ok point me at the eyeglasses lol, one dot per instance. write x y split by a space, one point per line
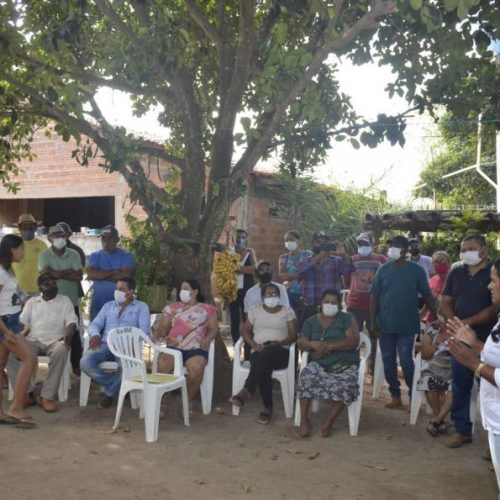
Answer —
271 295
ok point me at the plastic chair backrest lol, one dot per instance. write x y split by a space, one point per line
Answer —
126 344
364 339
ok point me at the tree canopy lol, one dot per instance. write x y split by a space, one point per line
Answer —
236 81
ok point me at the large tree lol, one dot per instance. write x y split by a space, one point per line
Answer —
237 80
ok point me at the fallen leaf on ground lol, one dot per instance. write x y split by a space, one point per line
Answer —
294 452
388 438
220 411
200 481
376 467
246 488
314 455
125 428
274 457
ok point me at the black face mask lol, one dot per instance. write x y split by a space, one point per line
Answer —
241 242
316 250
414 251
50 293
266 277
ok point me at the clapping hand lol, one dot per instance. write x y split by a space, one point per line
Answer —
461 331
463 353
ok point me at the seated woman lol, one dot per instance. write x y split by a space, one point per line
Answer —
435 380
275 328
189 326
332 337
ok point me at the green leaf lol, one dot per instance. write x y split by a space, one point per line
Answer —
416 4
450 5
462 10
354 143
246 123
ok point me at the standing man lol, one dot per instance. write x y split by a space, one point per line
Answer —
106 267
264 275
26 271
64 265
466 296
244 281
424 261
123 310
49 323
327 267
363 267
395 313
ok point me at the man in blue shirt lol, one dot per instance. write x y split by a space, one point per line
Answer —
466 296
394 312
106 266
124 310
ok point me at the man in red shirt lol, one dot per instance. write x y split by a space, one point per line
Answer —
363 267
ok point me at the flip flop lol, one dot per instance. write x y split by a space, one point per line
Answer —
6 421
236 401
23 423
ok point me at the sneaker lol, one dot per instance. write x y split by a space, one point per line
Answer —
104 401
456 440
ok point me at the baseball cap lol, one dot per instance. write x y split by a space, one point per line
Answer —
400 241
56 230
260 263
65 227
26 219
413 240
109 230
365 237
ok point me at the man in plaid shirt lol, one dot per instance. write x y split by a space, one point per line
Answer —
328 267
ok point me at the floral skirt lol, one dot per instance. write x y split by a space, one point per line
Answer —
316 383
436 377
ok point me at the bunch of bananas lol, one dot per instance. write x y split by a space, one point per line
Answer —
226 266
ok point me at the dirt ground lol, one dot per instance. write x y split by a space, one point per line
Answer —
74 455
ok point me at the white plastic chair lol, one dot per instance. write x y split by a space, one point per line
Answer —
85 380
417 397
285 377
207 384
126 344
354 409
64 384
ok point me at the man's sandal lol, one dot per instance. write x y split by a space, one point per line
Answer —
236 401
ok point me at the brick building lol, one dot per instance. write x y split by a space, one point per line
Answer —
55 187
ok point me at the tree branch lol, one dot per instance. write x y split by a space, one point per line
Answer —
198 15
147 51
256 148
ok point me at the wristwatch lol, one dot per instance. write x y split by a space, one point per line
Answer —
477 371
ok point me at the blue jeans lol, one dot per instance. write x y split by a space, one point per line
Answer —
90 365
461 385
392 346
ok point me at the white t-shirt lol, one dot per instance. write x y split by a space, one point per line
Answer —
47 319
10 301
489 394
253 297
270 326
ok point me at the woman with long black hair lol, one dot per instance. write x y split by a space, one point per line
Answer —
12 250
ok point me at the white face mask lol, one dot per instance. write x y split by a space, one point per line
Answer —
185 295
59 243
291 245
471 258
365 251
394 253
120 297
272 302
330 310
